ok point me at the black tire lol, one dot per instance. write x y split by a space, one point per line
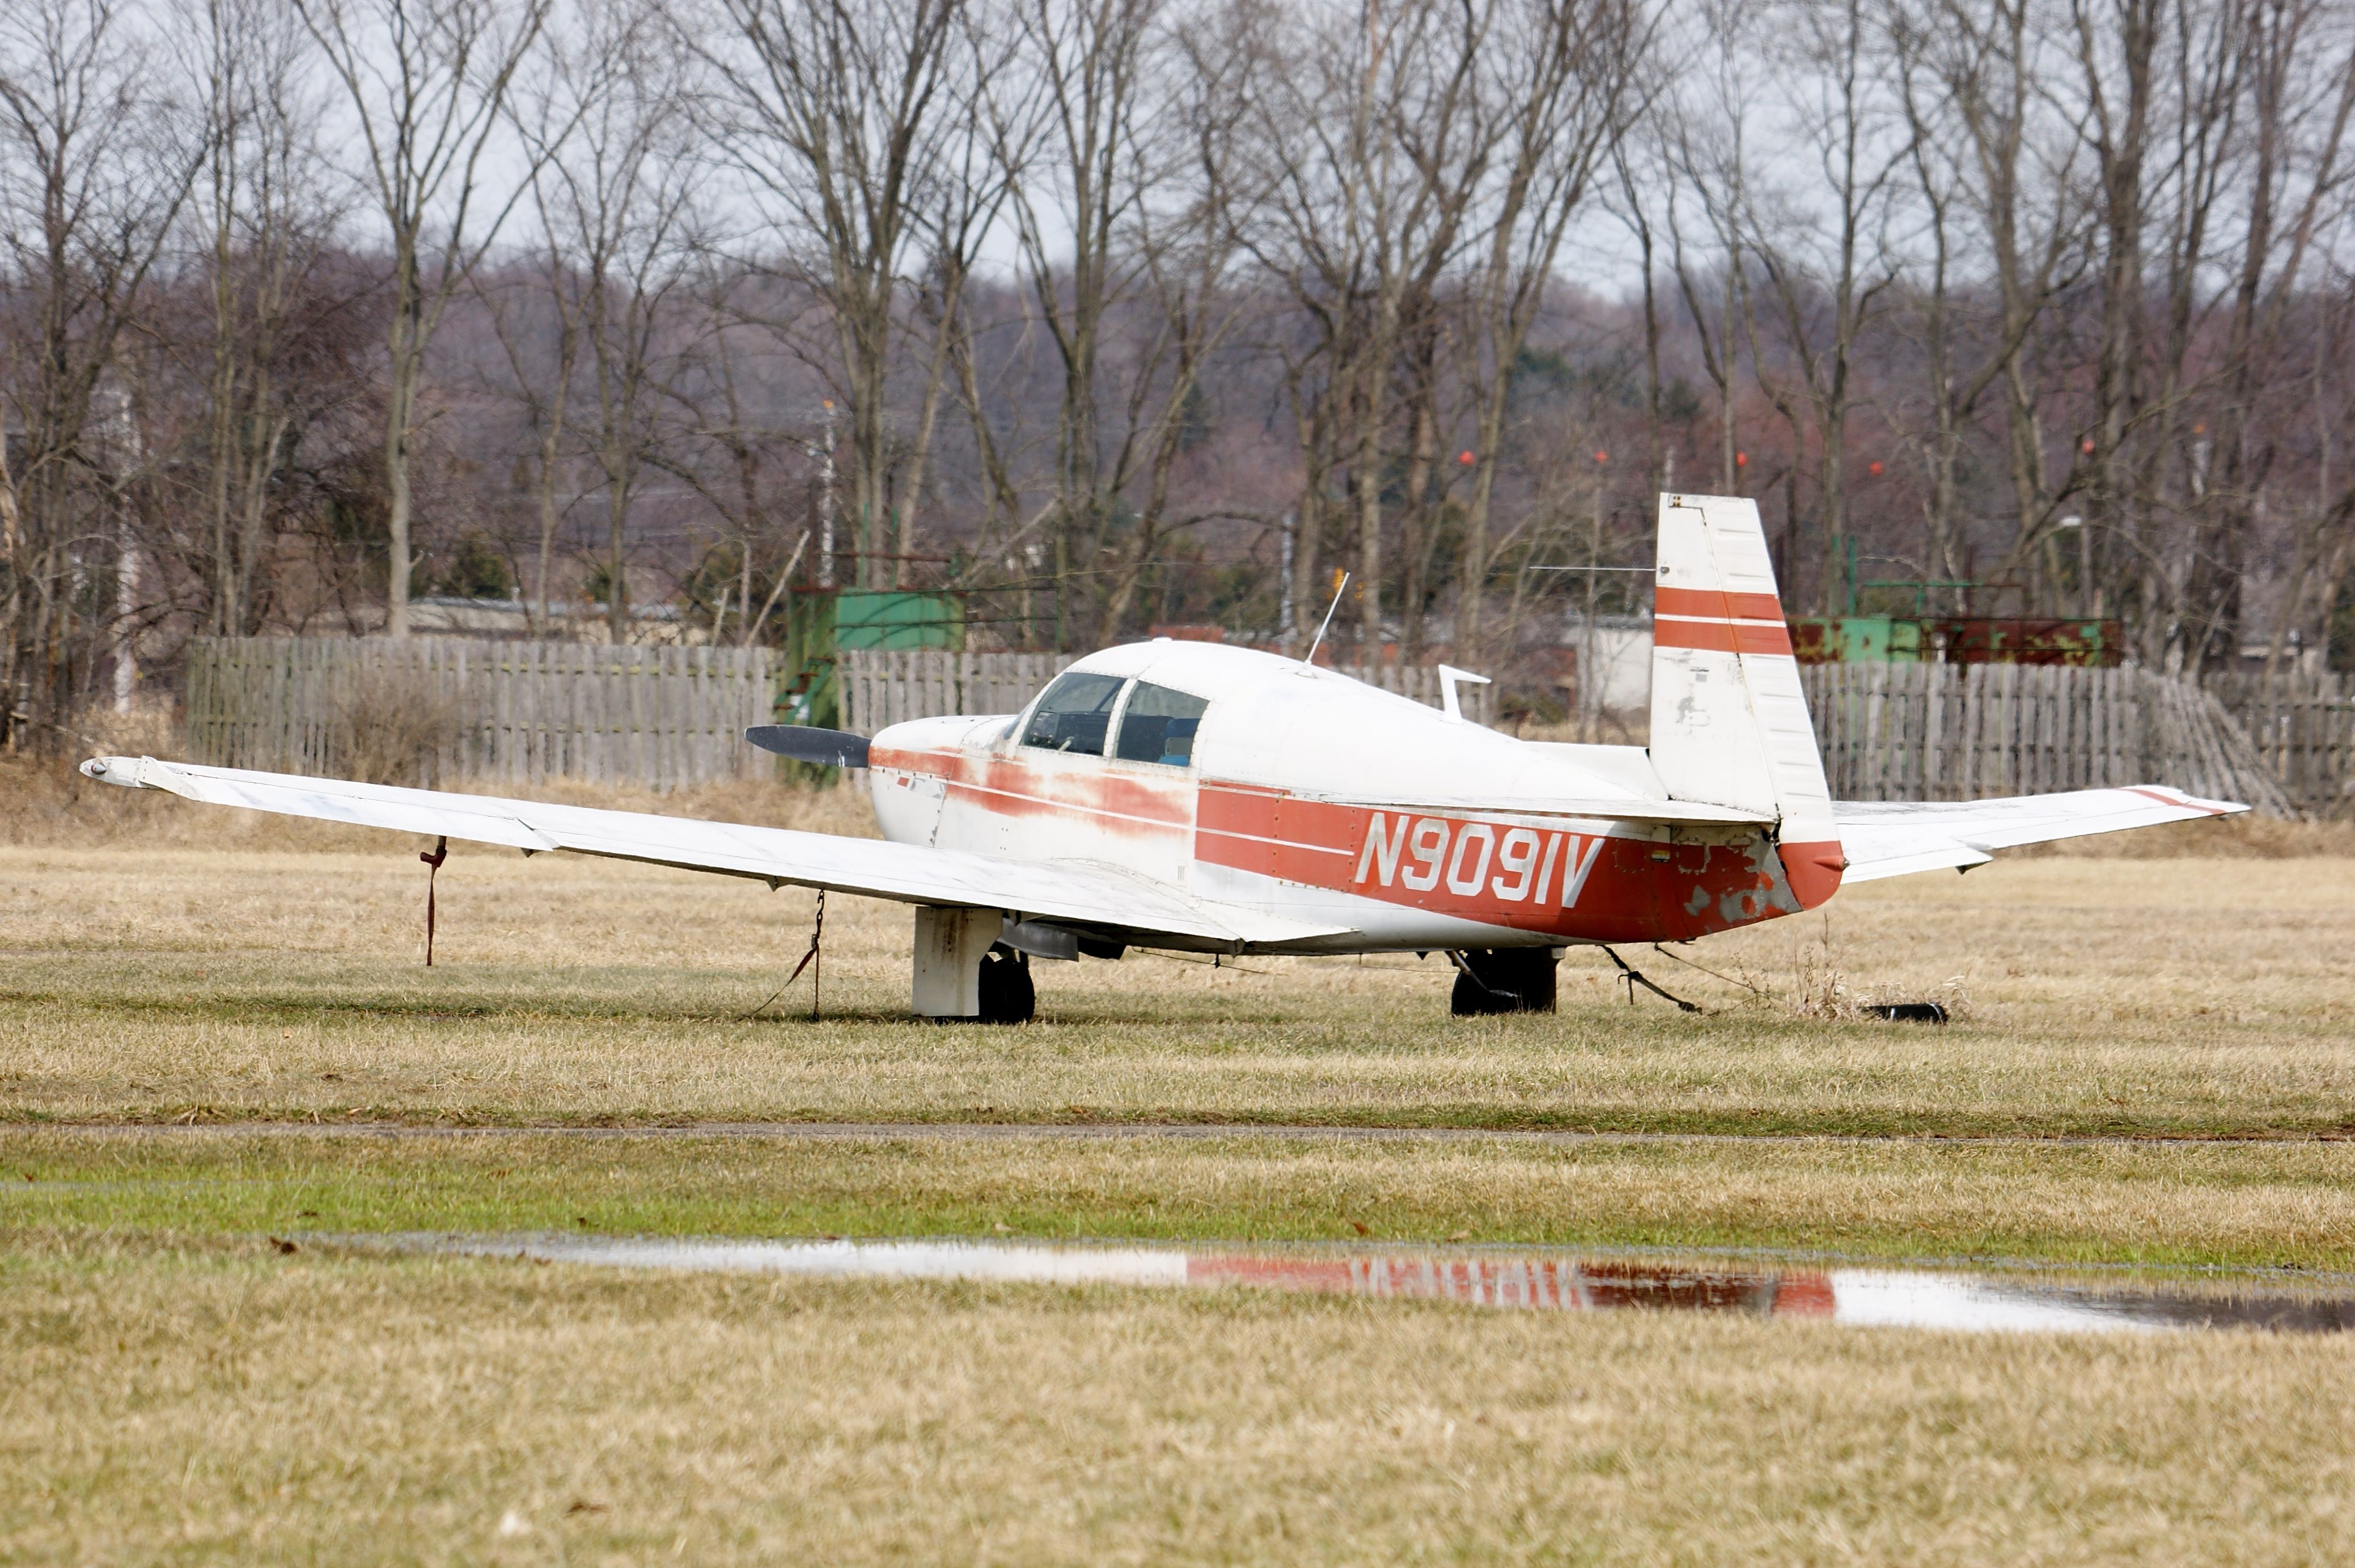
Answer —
1007 994
1503 980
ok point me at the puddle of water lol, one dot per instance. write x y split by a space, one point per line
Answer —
1520 1278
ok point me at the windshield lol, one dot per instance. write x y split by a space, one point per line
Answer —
1074 714
1159 725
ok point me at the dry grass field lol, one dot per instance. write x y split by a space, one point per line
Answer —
2153 1064
2210 997
210 1405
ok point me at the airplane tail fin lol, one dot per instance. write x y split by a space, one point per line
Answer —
1730 723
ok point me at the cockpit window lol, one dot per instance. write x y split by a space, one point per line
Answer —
1159 725
1074 714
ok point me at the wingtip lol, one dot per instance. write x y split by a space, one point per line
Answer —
2169 795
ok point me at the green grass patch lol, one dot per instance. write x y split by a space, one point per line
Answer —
2238 1205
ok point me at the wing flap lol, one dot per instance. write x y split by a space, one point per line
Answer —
1081 892
1891 838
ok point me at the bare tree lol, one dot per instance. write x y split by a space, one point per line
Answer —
539 380
2300 92
1116 135
2157 117
1074 127
725 453
1561 88
425 80
1822 255
95 162
614 189
1374 145
264 219
1186 241
1705 123
838 115
1994 168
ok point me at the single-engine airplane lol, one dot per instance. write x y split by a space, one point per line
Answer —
1201 798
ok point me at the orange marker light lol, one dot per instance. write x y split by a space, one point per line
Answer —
1465 458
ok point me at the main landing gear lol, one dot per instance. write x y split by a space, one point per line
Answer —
1007 994
962 971
1503 980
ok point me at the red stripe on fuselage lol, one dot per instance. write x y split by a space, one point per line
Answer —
1014 786
1565 879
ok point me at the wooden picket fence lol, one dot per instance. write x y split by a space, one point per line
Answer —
1912 731
880 688
877 688
440 710
443 710
2303 726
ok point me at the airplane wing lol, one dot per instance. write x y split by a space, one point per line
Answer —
1081 892
1890 838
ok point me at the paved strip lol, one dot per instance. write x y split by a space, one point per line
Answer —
1173 1131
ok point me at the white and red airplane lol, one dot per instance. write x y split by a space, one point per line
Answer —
1216 799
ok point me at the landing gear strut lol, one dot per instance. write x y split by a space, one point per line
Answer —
1503 980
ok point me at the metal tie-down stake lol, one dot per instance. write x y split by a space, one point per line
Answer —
434 865
817 933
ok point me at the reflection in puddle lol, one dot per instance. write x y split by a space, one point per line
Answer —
1528 1278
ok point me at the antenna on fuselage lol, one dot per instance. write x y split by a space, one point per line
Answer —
1328 621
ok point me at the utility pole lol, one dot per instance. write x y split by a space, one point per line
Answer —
126 555
1285 630
825 503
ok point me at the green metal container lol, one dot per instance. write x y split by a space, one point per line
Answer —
820 624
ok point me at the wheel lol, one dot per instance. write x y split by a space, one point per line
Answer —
1503 980
1007 994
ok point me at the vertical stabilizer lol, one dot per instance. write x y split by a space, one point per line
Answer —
1729 722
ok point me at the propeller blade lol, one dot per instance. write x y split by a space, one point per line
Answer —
805 743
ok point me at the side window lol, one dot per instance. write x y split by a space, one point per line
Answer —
1074 714
1159 725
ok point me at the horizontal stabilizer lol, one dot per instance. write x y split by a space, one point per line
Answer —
1890 838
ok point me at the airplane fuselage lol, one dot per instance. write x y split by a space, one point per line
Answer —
1324 806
